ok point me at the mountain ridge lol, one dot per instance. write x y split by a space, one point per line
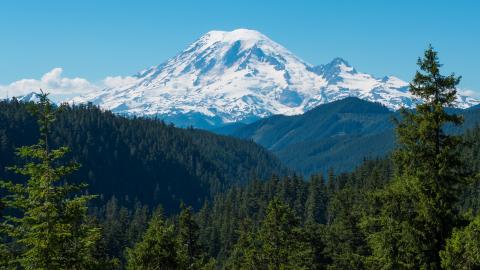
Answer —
337 135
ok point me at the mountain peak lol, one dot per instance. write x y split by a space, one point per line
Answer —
246 36
333 71
237 34
337 61
338 65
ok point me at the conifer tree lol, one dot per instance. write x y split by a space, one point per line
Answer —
462 250
316 201
157 248
48 214
420 206
345 244
283 245
246 252
190 252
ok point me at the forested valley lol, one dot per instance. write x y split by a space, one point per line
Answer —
224 203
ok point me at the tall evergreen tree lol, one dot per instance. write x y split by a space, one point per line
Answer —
190 251
315 206
157 249
246 253
283 243
420 206
48 214
345 244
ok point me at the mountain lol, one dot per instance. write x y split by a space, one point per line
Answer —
336 135
241 76
30 97
139 159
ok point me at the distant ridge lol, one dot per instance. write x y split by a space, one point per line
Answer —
336 135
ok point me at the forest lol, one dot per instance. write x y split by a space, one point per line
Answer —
82 192
138 159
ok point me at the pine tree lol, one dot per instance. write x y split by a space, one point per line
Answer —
345 244
49 222
462 250
420 207
157 248
137 223
283 244
245 254
316 201
190 252
315 237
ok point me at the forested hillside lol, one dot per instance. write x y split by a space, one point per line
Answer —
320 219
328 210
338 135
139 159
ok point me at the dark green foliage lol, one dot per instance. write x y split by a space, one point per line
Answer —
419 209
340 239
279 243
462 250
139 159
47 227
282 242
345 243
231 228
157 248
190 252
188 233
469 154
316 203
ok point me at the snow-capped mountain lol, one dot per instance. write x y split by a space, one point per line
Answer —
30 97
243 75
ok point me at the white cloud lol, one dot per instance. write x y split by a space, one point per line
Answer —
469 93
52 82
111 82
61 88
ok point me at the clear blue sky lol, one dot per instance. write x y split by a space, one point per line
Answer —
95 39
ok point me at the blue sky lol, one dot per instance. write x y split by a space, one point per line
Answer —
92 40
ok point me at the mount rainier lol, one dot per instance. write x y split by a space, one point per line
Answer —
241 76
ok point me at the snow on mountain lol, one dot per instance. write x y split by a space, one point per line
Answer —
243 75
30 97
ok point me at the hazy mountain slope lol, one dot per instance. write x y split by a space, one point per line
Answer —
336 135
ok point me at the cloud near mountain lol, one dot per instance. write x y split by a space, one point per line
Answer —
60 87
53 82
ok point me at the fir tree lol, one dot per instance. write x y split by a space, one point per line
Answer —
315 206
462 250
49 214
420 207
190 251
283 244
157 248
345 244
